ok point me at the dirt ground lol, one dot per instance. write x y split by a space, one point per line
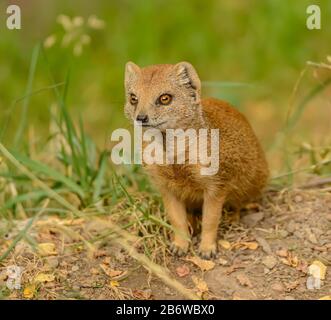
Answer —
274 252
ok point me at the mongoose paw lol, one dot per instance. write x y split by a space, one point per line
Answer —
208 252
178 250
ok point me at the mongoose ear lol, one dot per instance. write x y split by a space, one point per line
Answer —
188 77
131 72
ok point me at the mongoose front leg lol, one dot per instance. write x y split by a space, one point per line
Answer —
211 215
176 212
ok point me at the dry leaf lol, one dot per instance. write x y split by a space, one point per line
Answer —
110 272
224 244
251 245
29 291
183 270
200 284
244 281
290 260
317 269
142 294
204 265
245 245
44 277
47 249
325 298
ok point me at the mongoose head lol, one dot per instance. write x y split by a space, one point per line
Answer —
162 96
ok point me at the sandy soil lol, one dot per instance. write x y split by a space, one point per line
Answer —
269 254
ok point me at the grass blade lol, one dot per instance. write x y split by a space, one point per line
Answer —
32 71
37 166
100 178
27 196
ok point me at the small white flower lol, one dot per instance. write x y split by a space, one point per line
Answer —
74 32
95 23
78 21
50 41
65 22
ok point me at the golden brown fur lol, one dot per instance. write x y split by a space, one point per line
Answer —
243 170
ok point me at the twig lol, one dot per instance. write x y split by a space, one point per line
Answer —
319 65
322 163
316 183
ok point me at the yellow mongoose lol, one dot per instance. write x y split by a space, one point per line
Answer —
169 97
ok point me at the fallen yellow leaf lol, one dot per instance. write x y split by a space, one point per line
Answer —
251 245
29 291
114 283
225 244
47 249
44 277
325 298
204 265
245 245
290 260
317 269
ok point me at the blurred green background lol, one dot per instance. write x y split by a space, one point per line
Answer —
249 52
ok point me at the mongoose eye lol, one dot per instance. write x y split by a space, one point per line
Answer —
133 99
165 99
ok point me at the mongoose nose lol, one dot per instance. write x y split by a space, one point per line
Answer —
143 118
